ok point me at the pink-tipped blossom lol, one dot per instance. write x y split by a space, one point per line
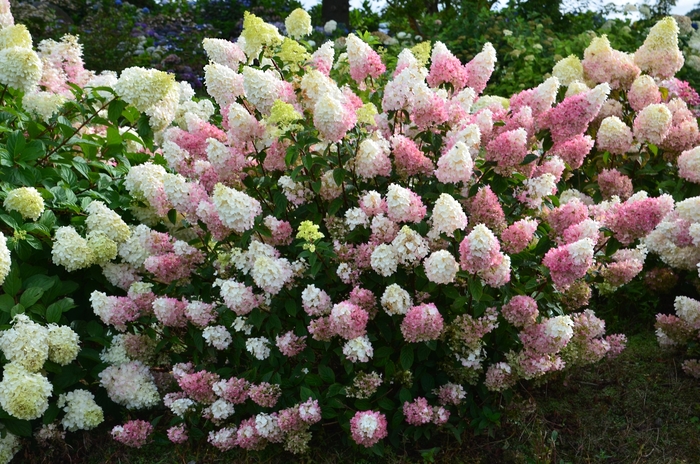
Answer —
368 427
479 250
134 433
518 235
569 262
422 323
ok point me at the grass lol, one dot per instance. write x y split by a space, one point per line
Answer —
638 408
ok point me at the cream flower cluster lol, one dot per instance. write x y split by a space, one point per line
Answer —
81 411
27 201
20 66
24 394
5 259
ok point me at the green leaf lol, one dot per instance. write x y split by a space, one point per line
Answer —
51 413
476 289
116 107
327 374
405 395
529 159
16 309
13 282
6 302
338 176
313 380
31 296
18 427
42 281
55 310
305 393
406 357
291 307
10 221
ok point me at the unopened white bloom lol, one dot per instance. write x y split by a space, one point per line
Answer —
396 300
259 347
81 411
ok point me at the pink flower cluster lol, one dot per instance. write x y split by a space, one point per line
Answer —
368 427
134 433
419 412
422 323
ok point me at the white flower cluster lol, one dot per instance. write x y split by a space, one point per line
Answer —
441 267
43 104
70 250
358 349
384 260
102 219
236 209
447 217
152 92
396 301
409 246
219 410
259 347
316 302
688 309
64 344
82 413
5 259
9 445
217 336
130 385
560 328
26 343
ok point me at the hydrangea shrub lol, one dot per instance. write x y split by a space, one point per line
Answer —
328 239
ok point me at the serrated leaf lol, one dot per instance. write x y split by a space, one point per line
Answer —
529 158
13 282
406 357
6 302
31 296
327 374
305 393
